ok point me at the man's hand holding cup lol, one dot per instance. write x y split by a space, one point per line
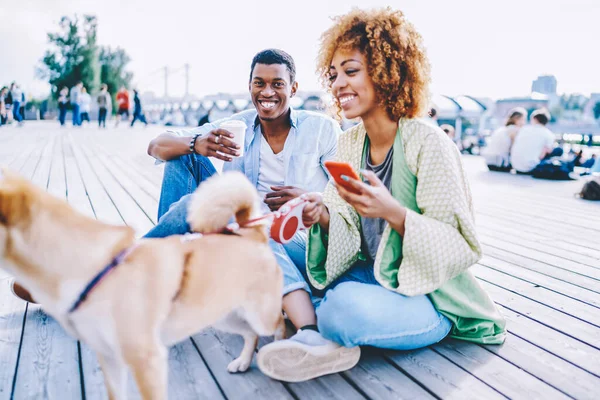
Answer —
218 143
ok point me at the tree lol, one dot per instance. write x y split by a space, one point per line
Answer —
112 69
597 110
72 56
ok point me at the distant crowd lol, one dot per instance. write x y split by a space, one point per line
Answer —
12 104
79 101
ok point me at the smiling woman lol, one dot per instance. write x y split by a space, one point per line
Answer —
391 257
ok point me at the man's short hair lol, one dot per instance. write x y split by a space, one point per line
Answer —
275 56
542 116
432 112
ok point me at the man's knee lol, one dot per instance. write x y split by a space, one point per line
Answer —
342 313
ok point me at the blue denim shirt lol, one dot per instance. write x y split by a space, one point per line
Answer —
312 141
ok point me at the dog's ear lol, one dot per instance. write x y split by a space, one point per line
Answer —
14 202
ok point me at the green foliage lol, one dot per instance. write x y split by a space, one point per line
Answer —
597 110
112 70
74 56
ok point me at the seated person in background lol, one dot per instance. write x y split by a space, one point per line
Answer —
497 151
534 143
449 130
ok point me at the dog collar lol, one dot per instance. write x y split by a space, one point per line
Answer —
99 277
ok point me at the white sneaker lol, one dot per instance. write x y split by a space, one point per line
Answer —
304 356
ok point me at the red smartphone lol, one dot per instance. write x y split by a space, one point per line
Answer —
337 169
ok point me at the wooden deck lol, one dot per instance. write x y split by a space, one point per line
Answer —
541 266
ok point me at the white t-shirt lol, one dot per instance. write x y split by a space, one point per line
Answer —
497 151
271 169
84 102
528 146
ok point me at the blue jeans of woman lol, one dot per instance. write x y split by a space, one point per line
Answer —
355 310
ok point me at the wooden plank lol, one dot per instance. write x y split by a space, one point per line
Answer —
546 281
564 376
580 234
150 181
550 237
103 206
144 201
219 349
551 241
189 377
329 387
49 362
572 350
556 252
12 309
579 223
567 305
582 281
379 379
545 258
496 372
542 201
12 312
128 209
440 376
576 328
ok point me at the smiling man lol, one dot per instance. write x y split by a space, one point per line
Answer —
284 155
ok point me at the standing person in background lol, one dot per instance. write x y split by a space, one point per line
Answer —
497 151
85 103
15 93
137 109
8 102
123 104
63 102
104 103
433 115
75 103
23 104
3 112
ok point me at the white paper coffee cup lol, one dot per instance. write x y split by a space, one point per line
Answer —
238 128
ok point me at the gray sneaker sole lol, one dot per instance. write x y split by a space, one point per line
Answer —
297 363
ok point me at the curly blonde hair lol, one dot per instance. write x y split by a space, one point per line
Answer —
396 59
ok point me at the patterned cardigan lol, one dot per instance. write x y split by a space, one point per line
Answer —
440 241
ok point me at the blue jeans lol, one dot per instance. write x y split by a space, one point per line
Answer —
357 311
62 113
17 111
76 119
181 177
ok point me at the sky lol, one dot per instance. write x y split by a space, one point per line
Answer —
487 48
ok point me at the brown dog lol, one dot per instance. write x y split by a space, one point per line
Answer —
161 292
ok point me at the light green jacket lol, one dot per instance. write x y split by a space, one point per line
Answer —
439 244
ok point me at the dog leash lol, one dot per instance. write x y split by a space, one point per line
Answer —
286 222
100 276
